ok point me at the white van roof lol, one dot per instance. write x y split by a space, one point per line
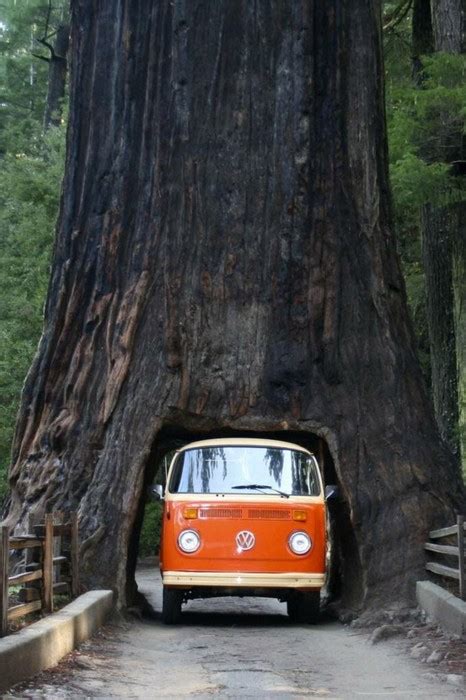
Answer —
244 442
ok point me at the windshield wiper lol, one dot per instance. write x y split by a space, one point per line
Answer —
259 487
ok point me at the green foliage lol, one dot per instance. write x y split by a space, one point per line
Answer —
426 124
415 182
23 76
30 176
425 121
149 541
425 129
30 188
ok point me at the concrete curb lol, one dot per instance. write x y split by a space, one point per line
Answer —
442 607
44 643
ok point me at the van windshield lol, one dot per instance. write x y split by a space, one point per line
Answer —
245 470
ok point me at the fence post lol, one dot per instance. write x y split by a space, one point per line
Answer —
4 563
74 555
48 563
460 522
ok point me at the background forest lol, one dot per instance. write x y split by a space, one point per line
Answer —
426 109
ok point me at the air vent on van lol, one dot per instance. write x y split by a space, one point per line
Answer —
269 514
220 513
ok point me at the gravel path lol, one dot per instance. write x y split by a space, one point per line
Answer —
233 648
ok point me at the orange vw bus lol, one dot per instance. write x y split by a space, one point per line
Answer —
243 517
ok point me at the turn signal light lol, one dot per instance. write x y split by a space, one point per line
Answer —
190 513
299 515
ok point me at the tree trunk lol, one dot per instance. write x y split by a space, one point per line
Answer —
224 263
421 36
447 23
443 236
56 85
440 226
459 289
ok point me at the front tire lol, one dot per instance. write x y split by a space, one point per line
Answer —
304 607
171 606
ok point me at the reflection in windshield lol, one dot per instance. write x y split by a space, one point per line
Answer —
220 469
275 459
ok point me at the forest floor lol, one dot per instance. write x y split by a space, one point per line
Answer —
239 648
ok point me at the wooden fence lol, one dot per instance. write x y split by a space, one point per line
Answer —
45 573
450 551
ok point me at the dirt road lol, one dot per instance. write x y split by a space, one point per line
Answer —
233 648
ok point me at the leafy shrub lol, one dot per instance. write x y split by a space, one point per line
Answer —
149 541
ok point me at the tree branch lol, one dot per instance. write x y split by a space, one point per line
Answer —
398 15
42 58
47 36
49 46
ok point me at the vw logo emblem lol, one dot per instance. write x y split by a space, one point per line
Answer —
245 540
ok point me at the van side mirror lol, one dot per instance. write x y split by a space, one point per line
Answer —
155 492
332 492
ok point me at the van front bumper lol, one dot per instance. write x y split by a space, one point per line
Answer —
187 579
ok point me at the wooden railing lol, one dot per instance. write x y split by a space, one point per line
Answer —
450 551
45 573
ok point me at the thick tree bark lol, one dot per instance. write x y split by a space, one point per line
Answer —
224 262
58 66
447 23
440 227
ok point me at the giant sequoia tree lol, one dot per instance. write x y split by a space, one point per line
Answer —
224 262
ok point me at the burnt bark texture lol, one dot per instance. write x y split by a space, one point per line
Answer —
447 25
224 262
58 69
440 228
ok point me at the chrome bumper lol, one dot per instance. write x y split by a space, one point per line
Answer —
186 579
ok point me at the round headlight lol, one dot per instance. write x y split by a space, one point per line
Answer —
189 541
299 542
